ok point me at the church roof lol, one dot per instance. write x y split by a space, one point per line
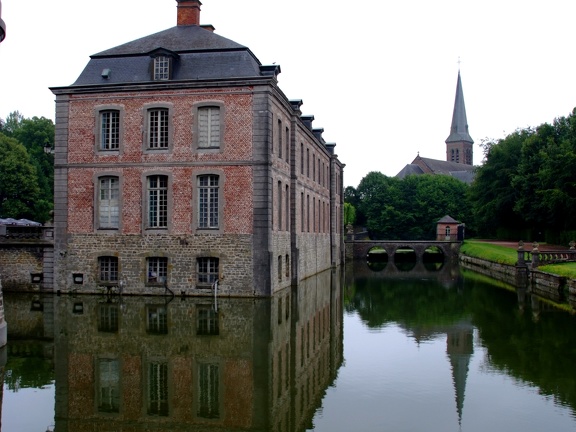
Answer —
459 127
420 165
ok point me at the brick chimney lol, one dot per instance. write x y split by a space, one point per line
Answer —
188 12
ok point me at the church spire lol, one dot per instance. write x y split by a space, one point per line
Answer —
459 143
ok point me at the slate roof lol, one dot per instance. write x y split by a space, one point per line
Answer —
200 54
459 126
448 219
420 165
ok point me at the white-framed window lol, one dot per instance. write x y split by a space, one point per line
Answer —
208 201
156 270
108 269
207 270
209 127
108 202
109 130
158 128
162 68
157 205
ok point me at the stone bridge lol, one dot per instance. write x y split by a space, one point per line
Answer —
359 249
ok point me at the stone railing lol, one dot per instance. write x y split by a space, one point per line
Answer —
536 257
19 232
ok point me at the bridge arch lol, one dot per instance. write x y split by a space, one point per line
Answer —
360 249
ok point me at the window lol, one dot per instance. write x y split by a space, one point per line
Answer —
108 385
279 206
307 212
156 319
287 266
156 270
157 131
208 201
108 203
207 270
162 68
301 158
280 139
287 144
108 266
279 268
108 318
287 199
109 130
302 219
209 127
314 167
157 189
158 389
208 391
207 321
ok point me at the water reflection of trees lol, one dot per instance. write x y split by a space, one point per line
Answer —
525 338
536 351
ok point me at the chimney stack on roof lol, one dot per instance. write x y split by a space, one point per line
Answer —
188 12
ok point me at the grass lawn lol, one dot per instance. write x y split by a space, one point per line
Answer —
488 251
509 255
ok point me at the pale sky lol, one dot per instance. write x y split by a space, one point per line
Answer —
379 76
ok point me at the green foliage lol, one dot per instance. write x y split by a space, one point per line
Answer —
35 134
349 214
492 195
28 372
408 209
527 183
19 189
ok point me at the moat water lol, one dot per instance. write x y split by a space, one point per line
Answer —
359 350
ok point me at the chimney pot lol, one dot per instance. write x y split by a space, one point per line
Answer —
188 12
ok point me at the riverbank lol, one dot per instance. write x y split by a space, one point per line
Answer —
499 260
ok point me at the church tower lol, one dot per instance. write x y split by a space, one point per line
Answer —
459 143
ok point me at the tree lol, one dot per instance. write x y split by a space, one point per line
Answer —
37 135
19 189
408 209
493 196
349 214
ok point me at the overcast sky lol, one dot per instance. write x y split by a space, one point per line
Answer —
379 76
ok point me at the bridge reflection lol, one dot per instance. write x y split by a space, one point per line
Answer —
447 272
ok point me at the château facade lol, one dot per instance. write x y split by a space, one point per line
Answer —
181 165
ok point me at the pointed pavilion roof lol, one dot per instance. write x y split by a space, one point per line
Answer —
459 127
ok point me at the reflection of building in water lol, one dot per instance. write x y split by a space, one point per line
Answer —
459 348
192 364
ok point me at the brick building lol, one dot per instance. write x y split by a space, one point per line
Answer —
179 162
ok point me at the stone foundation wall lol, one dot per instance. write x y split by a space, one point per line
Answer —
17 264
233 251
